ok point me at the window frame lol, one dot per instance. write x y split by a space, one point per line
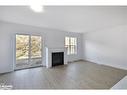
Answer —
29 55
71 48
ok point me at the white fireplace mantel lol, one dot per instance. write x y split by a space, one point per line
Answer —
49 52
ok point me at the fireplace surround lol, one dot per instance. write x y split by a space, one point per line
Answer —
56 56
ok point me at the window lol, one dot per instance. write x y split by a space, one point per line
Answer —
22 47
28 50
71 45
35 46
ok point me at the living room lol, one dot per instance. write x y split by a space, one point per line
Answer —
63 47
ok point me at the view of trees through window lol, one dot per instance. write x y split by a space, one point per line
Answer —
35 46
22 46
28 46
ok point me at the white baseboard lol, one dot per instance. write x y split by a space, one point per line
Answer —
123 68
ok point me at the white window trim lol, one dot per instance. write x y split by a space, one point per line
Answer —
69 46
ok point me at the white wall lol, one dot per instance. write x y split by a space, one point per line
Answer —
107 47
51 38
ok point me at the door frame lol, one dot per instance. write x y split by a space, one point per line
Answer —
29 57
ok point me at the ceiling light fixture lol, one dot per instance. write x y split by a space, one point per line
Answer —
37 8
36 5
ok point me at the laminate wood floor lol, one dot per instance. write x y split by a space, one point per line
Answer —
76 75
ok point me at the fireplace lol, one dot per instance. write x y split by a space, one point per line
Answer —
57 58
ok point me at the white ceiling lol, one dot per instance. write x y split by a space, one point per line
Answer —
68 18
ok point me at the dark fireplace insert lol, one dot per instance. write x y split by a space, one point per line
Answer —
57 58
